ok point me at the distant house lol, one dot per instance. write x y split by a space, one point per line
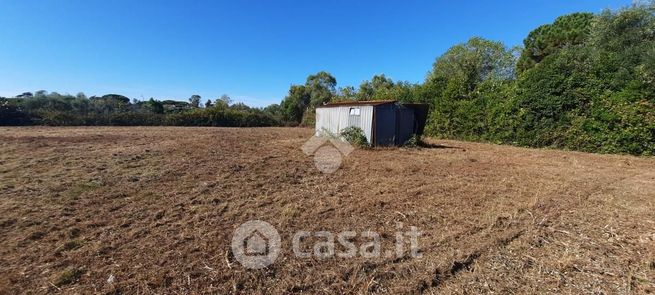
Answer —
173 106
384 122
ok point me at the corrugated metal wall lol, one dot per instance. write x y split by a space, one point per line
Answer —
404 124
335 119
385 125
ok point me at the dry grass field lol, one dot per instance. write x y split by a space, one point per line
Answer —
155 210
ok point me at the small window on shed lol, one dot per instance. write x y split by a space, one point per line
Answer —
354 111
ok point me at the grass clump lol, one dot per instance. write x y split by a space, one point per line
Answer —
81 188
413 142
72 245
68 276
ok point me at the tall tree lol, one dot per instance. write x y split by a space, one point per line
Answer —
224 101
567 30
116 97
347 93
194 100
378 88
25 95
465 66
155 106
40 94
295 103
321 87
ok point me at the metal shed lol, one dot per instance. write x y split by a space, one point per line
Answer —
384 122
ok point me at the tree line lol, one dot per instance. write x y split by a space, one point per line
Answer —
584 82
54 109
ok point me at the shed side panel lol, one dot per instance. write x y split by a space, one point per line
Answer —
327 121
405 125
385 125
367 121
333 120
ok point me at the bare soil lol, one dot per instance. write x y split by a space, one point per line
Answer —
152 210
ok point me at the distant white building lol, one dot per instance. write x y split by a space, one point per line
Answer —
384 122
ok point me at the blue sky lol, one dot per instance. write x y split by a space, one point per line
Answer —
251 50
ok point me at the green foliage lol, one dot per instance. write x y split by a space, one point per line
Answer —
11 115
318 89
309 118
596 96
378 88
586 84
296 103
68 276
567 30
221 117
550 95
468 83
120 99
355 136
383 88
346 93
109 103
458 72
54 109
413 141
154 106
25 95
194 101
274 111
224 101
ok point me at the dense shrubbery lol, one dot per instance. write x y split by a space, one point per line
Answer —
12 115
221 117
594 94
54 109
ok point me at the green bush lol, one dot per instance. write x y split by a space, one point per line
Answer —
355 136
11 115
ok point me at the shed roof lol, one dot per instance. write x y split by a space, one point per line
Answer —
356 103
